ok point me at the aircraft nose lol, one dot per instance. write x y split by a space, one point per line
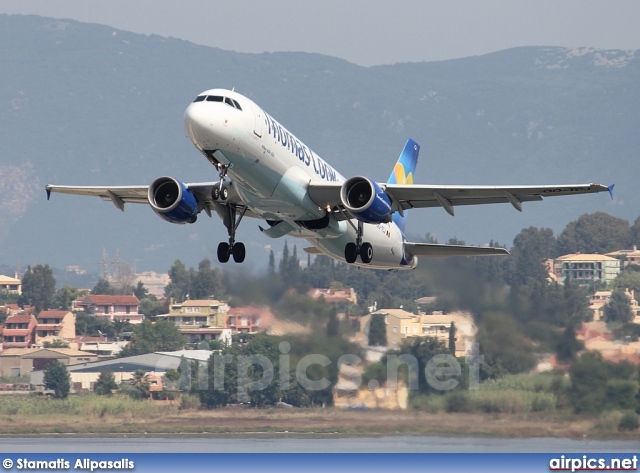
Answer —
197 122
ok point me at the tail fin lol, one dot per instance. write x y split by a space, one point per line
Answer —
403 173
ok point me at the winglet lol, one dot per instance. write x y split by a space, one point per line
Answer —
48 192
610 189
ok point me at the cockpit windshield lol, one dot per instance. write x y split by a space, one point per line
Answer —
218 98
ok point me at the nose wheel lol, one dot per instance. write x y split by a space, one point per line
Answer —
352 250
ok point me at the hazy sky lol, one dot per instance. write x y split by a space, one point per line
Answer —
364 32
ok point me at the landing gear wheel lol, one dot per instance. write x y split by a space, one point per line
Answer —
215 193
224 193
350 253
366 253
223 252
239 252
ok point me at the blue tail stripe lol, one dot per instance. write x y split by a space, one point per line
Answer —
403 173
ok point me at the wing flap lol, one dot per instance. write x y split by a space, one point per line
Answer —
437 250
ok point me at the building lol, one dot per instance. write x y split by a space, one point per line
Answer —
55 324
153 282
85 375
601 298
100 346
249 319
628 257
22 361
585 269
10 285
112 308
200 320
335 295
403 326
19 331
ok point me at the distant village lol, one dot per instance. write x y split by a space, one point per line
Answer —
30 341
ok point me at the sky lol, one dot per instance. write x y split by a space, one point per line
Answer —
366 32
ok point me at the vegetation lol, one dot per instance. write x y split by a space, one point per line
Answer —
150 337
106 383
56 378
38 287
377 331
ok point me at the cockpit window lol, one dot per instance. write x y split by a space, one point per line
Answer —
218 98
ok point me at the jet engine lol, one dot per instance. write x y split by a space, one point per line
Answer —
365 200
173 201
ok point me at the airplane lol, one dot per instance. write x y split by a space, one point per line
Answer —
265 172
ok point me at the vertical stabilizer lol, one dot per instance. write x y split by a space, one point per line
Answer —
403 173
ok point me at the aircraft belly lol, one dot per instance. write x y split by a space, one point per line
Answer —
385 239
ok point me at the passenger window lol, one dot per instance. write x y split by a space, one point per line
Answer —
200 98
214 98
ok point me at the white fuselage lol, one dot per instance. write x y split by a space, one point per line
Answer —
271 170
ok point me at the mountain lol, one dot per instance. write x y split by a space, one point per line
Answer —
86 104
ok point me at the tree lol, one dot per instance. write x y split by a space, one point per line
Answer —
377 331
140 291
595 233
568 345
38 287
106 383
148 337
628 280
138 387
333 325
64 297
619 308
103 287
57 343
452 339
271 269
89 325
179 287
505 350
531 248
56 378
635 232
207 282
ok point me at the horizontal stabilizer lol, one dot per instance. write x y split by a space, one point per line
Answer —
432 249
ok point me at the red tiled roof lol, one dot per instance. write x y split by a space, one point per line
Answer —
101 299
52 314
19 319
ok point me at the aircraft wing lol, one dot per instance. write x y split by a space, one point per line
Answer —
120 195
432 250
405 196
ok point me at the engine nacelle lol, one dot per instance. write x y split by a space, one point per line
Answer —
172 201
365 200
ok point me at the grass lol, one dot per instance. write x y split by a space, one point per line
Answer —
92 414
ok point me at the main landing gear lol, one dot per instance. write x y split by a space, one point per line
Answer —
352 250
237 249
231 220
